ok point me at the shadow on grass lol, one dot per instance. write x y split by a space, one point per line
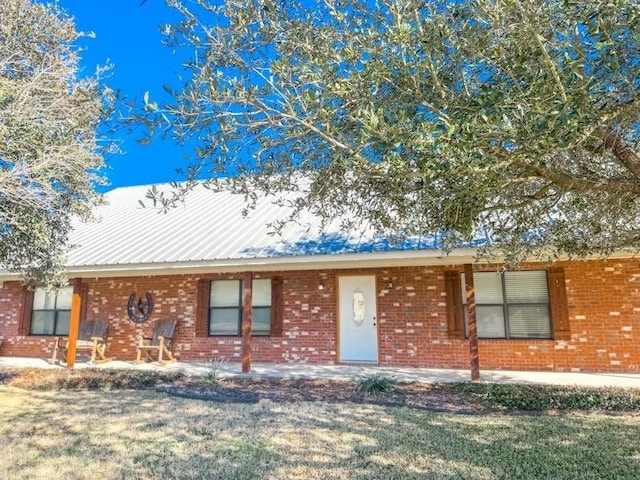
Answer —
144 434
7 375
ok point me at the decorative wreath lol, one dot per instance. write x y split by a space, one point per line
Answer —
141 311
358 307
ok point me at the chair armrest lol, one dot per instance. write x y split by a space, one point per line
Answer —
142 339
167 342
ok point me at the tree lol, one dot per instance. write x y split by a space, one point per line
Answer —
49 150
512 124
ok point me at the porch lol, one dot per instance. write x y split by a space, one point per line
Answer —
350 372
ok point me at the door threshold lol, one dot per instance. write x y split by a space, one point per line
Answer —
360 363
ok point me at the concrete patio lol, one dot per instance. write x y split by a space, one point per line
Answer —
350 372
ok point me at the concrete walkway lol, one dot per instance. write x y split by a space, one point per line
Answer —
350 372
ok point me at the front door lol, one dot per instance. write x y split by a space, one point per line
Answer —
357 310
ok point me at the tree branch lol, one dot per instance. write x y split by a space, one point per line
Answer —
563 179
552 66
576 184
620 148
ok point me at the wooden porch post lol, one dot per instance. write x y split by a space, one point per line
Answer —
473 326
74 322
247 302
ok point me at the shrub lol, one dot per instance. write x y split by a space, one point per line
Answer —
375 383
551 397
213 374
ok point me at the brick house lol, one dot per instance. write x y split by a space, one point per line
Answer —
323 298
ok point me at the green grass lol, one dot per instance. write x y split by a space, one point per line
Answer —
145 434
551 397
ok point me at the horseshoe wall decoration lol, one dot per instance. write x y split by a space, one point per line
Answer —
140 311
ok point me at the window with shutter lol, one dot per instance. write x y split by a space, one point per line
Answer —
559 304
25 313
84 301
51 311
225 308
277 307
455 317
512 304
202 308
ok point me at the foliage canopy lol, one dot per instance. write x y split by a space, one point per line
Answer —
510 122
48 141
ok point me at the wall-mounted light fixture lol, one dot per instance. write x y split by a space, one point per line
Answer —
321 285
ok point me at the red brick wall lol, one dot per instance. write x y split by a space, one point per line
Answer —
604 305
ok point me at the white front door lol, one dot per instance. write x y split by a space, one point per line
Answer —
357 317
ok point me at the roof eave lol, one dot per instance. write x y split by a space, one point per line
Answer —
389 259
262 264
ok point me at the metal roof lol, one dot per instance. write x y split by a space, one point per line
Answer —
210 234
209 227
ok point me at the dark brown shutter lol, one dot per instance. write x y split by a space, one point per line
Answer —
25 312
84 300
202 307
455 319
558 303
276 306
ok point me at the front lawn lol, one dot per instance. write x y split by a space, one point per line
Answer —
98 434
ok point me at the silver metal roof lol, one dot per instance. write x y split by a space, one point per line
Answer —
207 227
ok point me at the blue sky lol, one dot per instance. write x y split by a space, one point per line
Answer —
127 35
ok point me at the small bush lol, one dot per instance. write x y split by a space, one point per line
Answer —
553 397
375 383
213 374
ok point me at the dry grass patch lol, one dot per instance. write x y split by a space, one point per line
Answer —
146 434
91 378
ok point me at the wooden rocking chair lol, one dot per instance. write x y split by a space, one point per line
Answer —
92 337
161 341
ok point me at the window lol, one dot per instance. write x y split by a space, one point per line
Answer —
51 311
225 307
511 304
